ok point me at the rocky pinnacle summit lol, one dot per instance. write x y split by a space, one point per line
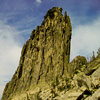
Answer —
45 71
45 55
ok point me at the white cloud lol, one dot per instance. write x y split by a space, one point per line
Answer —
38 1
85 39
9 53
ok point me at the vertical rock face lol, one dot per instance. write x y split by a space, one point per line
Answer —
44 71
45 55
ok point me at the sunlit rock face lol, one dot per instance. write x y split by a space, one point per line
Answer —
45 55
44 71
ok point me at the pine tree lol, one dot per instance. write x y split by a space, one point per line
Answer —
98 52
93 56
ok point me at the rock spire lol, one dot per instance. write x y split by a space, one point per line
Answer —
45 55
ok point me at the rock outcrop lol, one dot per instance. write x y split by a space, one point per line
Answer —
45 71
45 55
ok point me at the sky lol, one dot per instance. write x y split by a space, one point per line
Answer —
19 17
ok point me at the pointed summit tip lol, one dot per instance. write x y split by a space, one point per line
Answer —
56 9
51 12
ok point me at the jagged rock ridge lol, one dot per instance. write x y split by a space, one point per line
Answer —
44 71
45 55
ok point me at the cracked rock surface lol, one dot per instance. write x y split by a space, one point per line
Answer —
45 71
